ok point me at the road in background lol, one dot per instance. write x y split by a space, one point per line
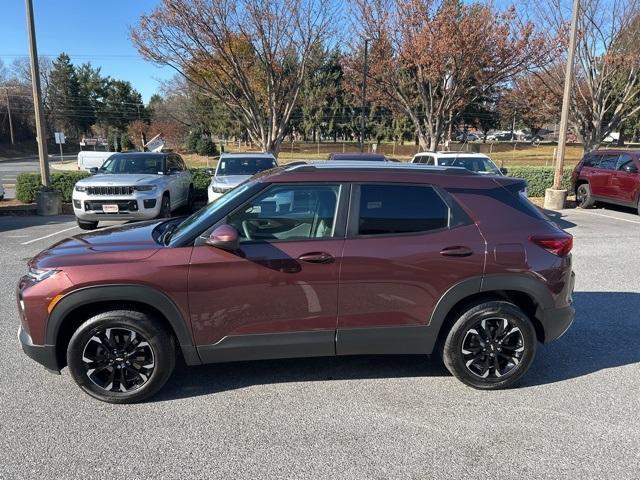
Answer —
574 415
10 169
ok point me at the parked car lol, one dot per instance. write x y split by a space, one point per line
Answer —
467 137
608 176
133 186
308 260
88 159
500 137
235 168
475 162
1 190
358 157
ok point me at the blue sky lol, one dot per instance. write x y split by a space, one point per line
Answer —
88 30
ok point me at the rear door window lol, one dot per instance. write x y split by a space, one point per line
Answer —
624 161
395 209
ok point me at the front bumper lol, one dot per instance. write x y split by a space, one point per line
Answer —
43 354
143 207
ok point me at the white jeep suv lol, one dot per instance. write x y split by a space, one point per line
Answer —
476 162
133 186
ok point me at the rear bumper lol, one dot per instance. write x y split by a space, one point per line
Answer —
45 355
556 321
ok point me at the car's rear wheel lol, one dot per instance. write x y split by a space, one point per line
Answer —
584 199
121 356
491 346
165 207
87 225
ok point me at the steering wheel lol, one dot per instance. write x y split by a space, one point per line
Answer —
245 229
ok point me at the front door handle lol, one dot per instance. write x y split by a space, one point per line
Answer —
457 251
317 257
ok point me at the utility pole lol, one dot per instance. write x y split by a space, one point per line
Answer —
37 97
364 92
555 196
6 90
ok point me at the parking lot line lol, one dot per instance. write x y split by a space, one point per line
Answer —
48 236
615 218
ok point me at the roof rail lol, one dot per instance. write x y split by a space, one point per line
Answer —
364 166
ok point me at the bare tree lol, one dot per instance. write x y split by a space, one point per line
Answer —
251 55
607 72
431 58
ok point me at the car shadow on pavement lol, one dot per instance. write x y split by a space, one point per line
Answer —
558 219
605 334
9 222
208 379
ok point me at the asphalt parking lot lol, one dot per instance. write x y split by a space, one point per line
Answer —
575 414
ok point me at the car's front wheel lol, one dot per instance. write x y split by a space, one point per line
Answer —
165 207
491 346
121 356
87 225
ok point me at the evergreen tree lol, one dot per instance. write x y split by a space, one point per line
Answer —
64 108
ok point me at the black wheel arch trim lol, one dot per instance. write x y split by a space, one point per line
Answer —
143 294
523 283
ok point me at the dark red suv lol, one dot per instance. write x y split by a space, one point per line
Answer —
610 176
308 260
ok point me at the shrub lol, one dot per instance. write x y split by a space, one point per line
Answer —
540 178
206 147
200 182
28 185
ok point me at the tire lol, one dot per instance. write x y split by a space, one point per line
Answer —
165 207
466 356
87 225
584 199
121 356
190 200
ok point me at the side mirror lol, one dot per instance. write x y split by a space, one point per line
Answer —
93 170
631 168
504 171
210 172
224 237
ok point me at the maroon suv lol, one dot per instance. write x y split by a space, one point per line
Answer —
303 261
609 176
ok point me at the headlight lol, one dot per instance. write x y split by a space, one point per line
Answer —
144 188
80 188
38 275
219 189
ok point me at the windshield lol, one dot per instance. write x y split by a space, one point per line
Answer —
475 164
244 165
198 219
132 163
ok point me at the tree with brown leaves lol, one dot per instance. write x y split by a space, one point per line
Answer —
607 71
431 58
250 55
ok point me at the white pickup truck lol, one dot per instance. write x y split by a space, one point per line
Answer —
88 159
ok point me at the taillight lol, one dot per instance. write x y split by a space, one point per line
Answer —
559 244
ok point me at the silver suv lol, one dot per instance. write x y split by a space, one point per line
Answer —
133 186
235 168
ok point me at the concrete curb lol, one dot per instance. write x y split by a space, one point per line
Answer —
28 209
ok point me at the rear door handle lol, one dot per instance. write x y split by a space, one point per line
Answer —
317 257
457 251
